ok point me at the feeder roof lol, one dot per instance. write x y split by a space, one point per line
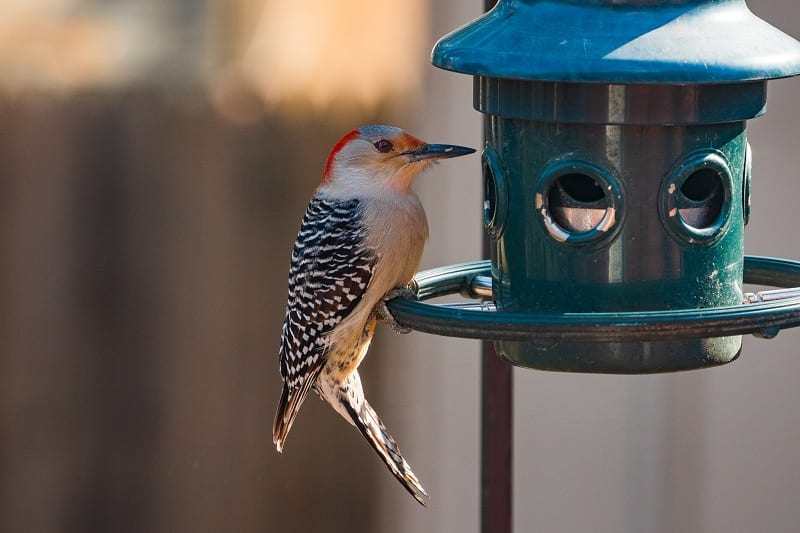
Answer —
620 41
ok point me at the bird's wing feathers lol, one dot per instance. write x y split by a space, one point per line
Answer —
330 269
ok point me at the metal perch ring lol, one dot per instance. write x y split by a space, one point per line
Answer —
763 314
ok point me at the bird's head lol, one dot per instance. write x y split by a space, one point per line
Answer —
383 156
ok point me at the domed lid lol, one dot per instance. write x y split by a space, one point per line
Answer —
620 41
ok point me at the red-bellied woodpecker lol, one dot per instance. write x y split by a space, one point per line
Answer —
360 241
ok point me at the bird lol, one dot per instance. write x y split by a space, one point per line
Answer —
360 243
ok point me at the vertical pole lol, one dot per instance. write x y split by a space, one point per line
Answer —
496 443
496 428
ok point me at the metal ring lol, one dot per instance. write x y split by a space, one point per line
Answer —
764 319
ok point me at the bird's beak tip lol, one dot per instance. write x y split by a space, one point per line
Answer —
438 151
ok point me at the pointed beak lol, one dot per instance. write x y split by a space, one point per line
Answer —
436 151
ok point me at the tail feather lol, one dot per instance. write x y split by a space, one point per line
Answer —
371 426
289 406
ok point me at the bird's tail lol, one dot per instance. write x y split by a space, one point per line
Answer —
284 416
370 425
289 406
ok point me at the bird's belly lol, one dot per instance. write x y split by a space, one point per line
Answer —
344 357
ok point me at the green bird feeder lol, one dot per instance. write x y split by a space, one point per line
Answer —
617 184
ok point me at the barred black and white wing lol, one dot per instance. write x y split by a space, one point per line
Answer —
330 269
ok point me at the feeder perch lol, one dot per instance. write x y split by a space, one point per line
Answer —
617 185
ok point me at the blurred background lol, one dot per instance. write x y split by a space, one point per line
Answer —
155 160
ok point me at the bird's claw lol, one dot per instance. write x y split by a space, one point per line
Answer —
383 314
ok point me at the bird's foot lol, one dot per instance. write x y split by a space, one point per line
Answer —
382 311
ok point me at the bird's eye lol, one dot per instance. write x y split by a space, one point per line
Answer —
384 146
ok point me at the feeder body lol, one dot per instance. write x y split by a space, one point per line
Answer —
545 261
616 165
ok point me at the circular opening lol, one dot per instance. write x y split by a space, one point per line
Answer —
701 197
495 194
577 202
489 194
696 194
748 171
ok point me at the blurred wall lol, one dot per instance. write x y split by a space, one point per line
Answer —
149 197
152 179
145 244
